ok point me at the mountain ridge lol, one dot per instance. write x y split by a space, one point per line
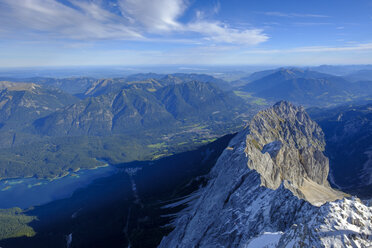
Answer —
132 108
234 210
307 88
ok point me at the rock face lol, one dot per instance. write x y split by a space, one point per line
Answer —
234 210
285 145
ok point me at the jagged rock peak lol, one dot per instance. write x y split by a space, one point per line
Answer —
285 146
233 210
289 124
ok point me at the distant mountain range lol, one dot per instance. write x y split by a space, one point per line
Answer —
22 103
306 87
284 74
74 85
87 86
135 109
362 75
340 70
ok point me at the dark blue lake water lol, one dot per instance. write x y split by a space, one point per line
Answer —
29 192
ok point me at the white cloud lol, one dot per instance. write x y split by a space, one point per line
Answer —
162 15
357 47
282 14
56 20
304 24
138 19
154 15
219 32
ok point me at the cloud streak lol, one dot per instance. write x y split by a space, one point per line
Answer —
55 20
134 20
218 32
294 15
158 15
315 49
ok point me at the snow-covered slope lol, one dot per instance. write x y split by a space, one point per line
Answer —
233 210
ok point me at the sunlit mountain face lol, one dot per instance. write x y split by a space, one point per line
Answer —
174 123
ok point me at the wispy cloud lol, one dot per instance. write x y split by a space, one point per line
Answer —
356 47
304 24
161 16
282 14
217 7
56 20
219 32
154 15
134 20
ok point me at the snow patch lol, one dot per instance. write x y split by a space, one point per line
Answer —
265 240
69 240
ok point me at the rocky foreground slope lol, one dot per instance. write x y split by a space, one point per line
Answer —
281 199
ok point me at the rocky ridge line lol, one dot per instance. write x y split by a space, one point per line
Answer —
234 210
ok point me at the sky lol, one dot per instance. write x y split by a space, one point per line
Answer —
184 32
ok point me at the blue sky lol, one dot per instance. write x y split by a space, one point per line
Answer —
210 32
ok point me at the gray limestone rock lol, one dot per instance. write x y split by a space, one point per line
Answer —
284 144
234 210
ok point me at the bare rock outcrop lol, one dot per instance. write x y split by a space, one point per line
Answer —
234 210
285 146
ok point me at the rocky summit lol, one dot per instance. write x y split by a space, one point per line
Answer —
285 146
281 199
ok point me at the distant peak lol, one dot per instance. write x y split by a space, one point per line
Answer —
169 76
